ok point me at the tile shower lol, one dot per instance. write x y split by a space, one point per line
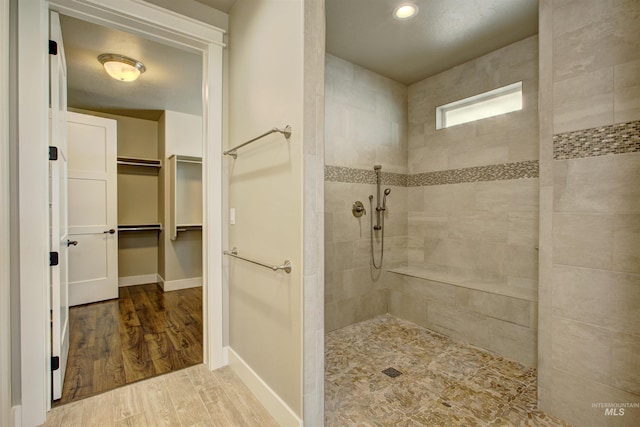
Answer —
461 226
462 216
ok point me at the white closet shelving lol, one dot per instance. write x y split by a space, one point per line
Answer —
185 194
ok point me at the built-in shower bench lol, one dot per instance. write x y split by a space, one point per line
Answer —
492 287
493 315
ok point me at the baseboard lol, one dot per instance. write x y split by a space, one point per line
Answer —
142 279
16 415
225 355
174 285
278 409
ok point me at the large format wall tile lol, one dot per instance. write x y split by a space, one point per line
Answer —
582 349
598 184
601 297
583 240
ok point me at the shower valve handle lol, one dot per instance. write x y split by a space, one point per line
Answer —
358 209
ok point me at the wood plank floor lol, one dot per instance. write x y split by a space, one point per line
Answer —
144 333
190 397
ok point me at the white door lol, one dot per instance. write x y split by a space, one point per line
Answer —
93 208
58 209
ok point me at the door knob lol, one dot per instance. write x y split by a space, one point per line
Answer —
72 243
112 231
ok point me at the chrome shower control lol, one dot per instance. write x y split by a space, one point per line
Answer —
358 209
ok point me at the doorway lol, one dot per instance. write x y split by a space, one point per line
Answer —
158 25
135 211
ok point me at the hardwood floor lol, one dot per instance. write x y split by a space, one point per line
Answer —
144 333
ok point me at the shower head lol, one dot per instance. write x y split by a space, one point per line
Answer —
387 191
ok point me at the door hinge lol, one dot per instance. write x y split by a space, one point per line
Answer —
53 258
53 47
55 363
53 153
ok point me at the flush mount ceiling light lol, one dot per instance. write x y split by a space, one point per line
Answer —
405 11
121 67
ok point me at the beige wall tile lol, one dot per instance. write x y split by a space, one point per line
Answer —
572 396
519 195
584 101
437 292
496 306
478 225
626 243
625 363
469 327
605 298
522 228
598 184
583 240
415 199
513 341
521 262
408 307
582 349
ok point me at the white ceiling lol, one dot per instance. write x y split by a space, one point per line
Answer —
173 80
445 33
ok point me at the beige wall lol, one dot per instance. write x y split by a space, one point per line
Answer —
590 211
366 124
266 189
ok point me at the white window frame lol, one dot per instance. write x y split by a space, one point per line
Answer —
504 91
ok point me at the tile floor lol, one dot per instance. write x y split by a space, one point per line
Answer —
443 382
193 396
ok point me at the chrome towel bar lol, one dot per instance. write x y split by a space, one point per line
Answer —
233 151
286 266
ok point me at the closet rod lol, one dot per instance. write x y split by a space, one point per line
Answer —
233 151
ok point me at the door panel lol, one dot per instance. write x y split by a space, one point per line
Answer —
84 157
87 203
58 208
84 268
93 204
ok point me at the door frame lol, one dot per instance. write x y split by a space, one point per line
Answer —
161 25
5 229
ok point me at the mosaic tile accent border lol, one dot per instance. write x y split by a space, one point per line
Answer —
499 172
503 171
362 176
600 141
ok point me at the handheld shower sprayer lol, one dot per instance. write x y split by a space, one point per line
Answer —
380 208
384 199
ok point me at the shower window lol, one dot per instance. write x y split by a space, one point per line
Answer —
488 104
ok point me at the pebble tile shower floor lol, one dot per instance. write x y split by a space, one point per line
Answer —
443 382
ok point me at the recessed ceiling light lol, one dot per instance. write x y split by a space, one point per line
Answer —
121 67
405 11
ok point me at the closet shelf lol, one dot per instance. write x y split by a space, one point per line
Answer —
135 161
188 227
140 227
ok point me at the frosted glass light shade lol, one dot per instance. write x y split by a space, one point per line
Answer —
121 67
